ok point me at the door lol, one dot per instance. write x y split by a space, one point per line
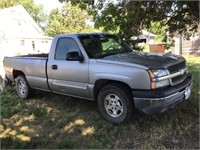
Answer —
68 77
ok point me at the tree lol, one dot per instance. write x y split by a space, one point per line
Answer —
55 23
35 11
68 20
159 30
127 18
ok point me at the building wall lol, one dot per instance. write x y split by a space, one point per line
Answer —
22 46
191 46
20 34
184 46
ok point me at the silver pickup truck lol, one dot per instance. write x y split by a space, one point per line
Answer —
102 68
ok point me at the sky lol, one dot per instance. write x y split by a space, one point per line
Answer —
49 4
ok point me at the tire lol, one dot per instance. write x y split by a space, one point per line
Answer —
115 103
23 89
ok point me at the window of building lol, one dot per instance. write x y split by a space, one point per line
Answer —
33 45
22 42
19 23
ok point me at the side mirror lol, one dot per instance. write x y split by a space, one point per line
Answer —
74 56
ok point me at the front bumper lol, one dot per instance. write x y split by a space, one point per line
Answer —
159 100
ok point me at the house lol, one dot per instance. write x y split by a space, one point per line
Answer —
145 36
20 34
146 41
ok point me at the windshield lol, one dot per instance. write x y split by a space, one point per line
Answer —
100 45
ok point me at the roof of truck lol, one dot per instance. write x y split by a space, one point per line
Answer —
85 33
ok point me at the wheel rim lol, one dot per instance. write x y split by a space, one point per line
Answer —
113 105
22 87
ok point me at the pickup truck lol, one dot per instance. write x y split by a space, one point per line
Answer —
102 68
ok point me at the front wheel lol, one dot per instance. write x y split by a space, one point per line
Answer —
115 103
22 87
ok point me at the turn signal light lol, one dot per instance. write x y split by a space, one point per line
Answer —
153 85
150 73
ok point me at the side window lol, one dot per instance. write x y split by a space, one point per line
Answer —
64 46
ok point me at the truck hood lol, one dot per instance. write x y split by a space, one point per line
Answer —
149 60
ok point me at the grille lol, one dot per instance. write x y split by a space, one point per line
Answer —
179 78
177 67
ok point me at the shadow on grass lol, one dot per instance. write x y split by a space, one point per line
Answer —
54 121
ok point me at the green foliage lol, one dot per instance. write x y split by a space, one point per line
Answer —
144 46
184 17
132 16
36 11
159 30
69 19
127 18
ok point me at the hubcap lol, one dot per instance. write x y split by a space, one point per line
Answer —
113 105
22 88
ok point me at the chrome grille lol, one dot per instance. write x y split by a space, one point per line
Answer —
179 78
176 68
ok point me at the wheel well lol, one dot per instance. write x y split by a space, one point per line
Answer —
101 83
16 73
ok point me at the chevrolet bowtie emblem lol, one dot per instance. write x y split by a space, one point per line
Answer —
182 71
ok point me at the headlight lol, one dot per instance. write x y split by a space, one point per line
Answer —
154 75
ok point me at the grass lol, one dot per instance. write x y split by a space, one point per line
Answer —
53 121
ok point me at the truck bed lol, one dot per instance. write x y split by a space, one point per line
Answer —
45 55
33 66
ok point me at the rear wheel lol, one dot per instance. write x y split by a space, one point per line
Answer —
22 87
115 103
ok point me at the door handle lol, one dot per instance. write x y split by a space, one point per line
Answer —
54 67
